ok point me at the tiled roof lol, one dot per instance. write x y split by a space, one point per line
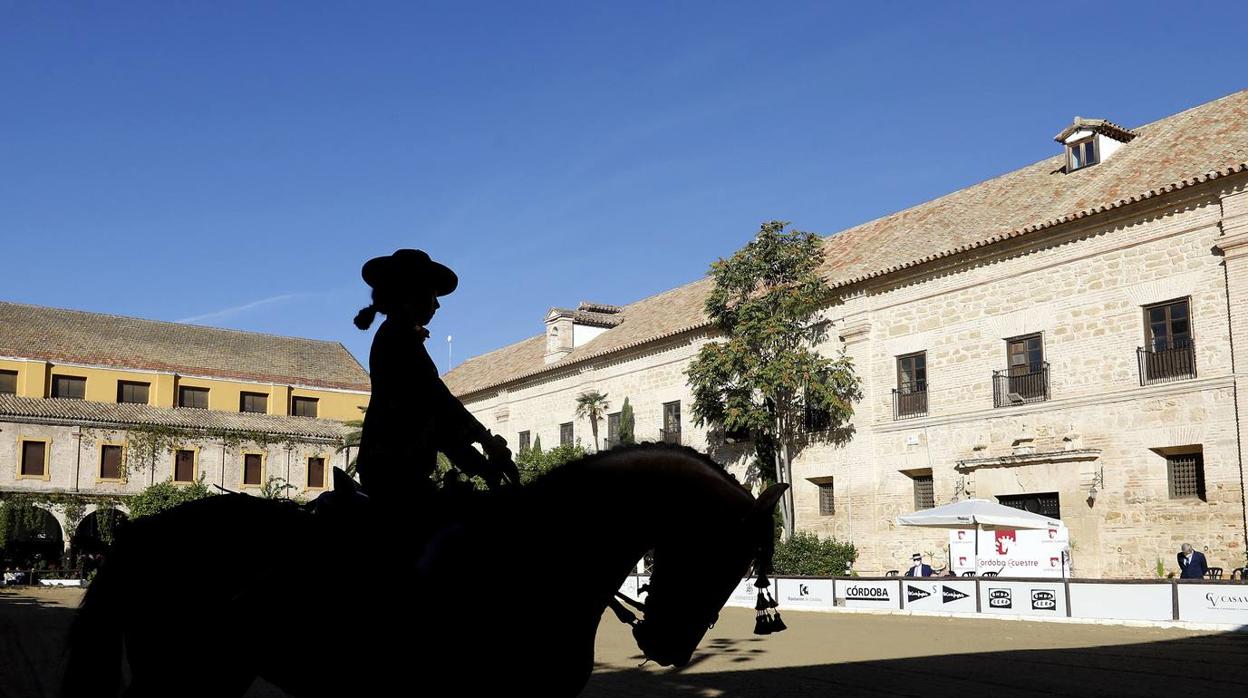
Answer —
111 415
1108 128
71 336
593 314
1190 147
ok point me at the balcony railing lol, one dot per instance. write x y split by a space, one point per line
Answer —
1167 362
910 400
1014 387
669 436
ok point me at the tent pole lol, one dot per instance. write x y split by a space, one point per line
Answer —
976 548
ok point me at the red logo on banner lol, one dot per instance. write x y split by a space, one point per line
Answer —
962 561
1053 561
961 535
1005 539
1052 533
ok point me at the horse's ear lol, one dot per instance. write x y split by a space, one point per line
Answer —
343 482
767 501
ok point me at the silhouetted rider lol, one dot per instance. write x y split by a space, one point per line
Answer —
412 415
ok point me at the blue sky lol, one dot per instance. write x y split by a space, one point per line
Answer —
233 164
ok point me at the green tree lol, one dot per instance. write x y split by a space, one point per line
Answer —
593 406
807 554
765 371
535 463
164 496
628 424
352 440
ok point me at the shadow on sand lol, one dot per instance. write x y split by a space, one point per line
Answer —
1215 665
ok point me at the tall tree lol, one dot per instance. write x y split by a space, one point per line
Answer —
628 424
764 375
592 405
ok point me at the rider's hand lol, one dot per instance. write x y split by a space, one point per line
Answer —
495 448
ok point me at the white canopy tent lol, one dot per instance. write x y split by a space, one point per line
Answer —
977 513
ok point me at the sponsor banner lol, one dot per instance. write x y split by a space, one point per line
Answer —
1214 603
881 595
938 594
1010 552
802 594
744 595
1022 598
1121 601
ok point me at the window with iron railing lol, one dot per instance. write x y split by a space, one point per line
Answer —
1027 378
1169 353
670 433
1186 475
613 430
910 395
924 493
827 501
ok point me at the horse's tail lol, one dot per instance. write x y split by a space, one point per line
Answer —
95 641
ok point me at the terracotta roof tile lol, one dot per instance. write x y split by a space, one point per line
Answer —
71 336
107 414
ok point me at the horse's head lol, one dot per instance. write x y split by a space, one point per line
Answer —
692 580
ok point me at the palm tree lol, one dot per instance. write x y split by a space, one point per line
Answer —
592 405
352 440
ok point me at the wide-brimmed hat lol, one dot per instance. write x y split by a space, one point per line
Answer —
409 270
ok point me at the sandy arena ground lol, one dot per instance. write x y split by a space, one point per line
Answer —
820 655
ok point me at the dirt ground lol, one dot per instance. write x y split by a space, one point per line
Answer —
820 654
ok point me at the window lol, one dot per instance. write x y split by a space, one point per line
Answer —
253 402
910 397
1168 353
1186 472
70 387
1082 154
1044 503
8 382
184 466
924 495
34 459
565 434
671 423
193 397
253 468
827 504
523 441
132 392
1026 379
110 462
613 429
303 406
316 472
814 419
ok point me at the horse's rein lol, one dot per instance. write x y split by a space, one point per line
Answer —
624 615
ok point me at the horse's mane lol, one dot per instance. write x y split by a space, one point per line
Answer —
643 447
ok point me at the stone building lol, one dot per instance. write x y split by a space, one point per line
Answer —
96 407
1067 338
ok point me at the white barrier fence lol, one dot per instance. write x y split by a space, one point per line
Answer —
1199 601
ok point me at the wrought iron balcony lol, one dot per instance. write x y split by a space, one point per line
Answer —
910 400
1020 387
1167 361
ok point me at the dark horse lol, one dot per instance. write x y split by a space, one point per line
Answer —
211 595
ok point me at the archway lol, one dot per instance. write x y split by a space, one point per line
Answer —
94 537
32 538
